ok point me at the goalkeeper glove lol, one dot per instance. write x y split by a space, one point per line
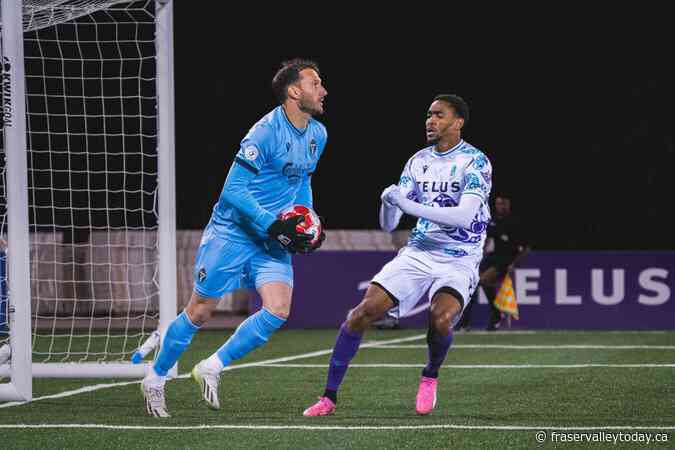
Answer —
288 236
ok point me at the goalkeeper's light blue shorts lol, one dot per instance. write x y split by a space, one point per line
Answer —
223 265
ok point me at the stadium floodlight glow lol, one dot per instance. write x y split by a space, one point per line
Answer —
87 195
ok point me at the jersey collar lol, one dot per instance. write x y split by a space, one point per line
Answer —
448 151
298 131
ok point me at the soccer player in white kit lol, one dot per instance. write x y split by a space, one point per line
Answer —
447 186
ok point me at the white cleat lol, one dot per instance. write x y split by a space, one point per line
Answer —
155 404
208 383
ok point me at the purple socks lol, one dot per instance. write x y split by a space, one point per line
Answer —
438 349
346 346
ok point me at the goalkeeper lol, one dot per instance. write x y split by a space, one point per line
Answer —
244 244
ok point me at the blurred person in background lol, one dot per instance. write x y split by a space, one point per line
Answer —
504 247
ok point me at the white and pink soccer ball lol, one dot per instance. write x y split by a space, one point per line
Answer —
311 223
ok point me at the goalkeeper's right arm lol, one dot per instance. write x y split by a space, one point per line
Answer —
236 194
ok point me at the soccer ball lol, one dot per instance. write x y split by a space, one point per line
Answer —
311 223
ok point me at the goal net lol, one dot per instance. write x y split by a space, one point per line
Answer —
93 146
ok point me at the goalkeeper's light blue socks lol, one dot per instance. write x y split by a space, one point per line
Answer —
249 335
177 339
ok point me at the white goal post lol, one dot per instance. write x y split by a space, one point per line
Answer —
87 187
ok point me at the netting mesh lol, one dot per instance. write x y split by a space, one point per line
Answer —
44 13
92 176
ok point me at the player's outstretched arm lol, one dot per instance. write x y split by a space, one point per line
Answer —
459 216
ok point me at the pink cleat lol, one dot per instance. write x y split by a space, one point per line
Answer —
426 395
324 407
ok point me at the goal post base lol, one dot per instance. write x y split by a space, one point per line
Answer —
9 392
84 370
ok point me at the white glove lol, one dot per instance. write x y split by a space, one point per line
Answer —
392 195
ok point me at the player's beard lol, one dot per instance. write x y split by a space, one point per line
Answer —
306 106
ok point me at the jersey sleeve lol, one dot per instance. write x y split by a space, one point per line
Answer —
236 194
256 148
407 184
321 138
478 177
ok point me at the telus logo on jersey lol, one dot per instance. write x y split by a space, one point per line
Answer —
438 186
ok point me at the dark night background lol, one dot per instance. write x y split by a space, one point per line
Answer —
577 119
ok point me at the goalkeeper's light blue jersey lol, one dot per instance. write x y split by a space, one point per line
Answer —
271 171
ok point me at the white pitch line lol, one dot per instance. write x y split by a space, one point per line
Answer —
555 332
539 347
500 332
484 366
340 427
97 387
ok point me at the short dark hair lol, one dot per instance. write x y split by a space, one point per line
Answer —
457 103
289 73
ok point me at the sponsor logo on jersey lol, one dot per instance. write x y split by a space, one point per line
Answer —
251 153
438 186
293 172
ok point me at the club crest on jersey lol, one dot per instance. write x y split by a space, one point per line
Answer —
453 171
312 148
251 153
